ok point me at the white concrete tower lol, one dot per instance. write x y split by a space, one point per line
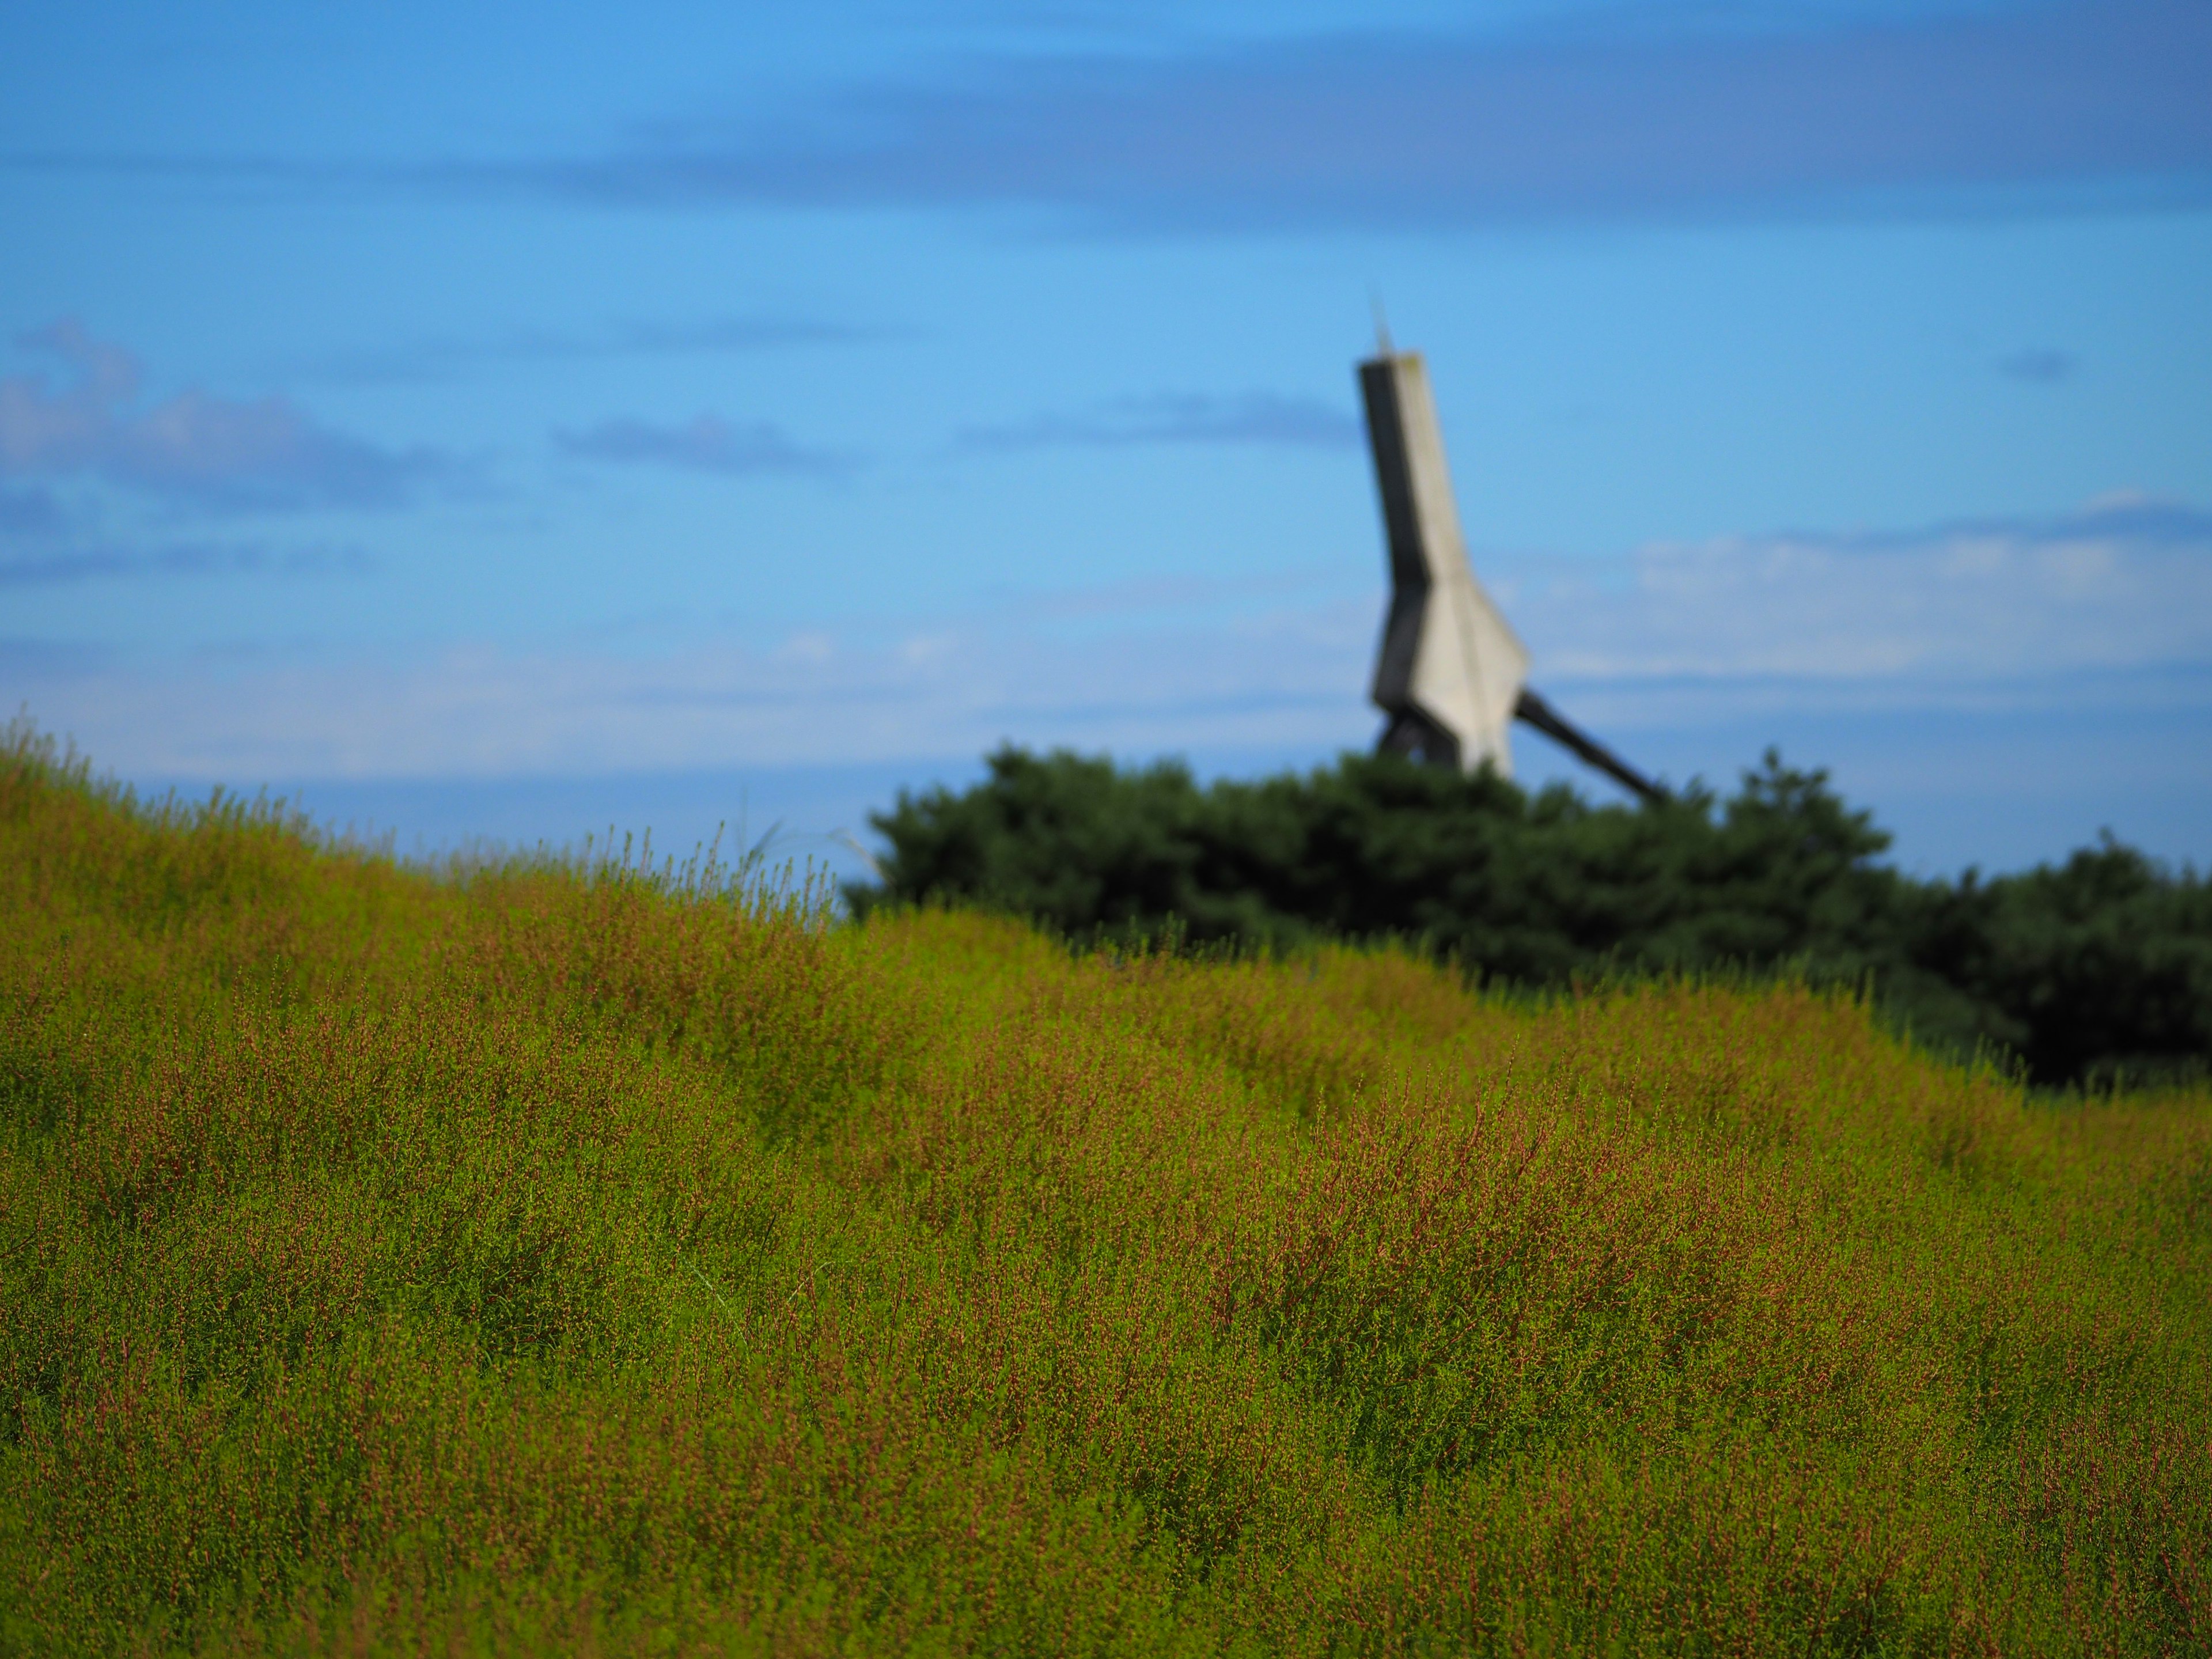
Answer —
1449 673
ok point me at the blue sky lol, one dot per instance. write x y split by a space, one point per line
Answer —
490 420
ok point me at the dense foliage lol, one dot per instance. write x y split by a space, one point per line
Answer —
2097 971
582 1259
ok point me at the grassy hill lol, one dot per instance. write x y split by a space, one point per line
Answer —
577 1257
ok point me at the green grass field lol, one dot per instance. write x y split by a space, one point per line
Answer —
568 1257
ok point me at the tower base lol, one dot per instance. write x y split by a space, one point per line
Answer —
1418 738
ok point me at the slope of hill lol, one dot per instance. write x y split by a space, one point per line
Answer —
564 1256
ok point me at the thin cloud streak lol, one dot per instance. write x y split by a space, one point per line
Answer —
443 358
706 443
72 565
2039 366
1255 417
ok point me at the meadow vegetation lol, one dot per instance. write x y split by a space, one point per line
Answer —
582 1255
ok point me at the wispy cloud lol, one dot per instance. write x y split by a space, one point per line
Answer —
447 355
706 443
1254 417
2111 604
63 566
28 514
195 448
2039 366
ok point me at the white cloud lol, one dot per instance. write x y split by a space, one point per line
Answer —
2122 584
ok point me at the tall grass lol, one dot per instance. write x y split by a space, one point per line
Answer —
599 1255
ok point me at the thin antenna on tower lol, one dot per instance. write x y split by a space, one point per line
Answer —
1382 347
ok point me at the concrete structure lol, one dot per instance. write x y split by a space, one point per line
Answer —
1451 674
1449 670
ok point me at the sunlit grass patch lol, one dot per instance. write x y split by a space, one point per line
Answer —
560 1253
